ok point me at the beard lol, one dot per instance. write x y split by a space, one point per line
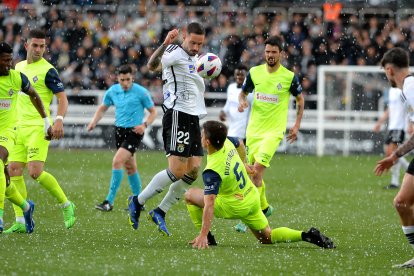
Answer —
271 63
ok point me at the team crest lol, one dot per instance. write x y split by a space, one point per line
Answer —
11 92
191 68
279 86
180 147
35 79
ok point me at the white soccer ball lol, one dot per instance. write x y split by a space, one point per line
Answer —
208 66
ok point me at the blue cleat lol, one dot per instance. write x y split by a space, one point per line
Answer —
134 210
1 225
28 217
160 221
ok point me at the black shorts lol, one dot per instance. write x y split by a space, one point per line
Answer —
127 139
181 134
395 136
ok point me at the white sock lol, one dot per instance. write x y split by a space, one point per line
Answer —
176 191
20 220
404 163
395 174
157 185
409 233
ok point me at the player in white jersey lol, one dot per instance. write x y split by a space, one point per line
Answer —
397 124
395 63
183 106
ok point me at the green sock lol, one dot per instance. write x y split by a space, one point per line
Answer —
284 234
196 215
50 183
18 183
16 198
2 185
263 200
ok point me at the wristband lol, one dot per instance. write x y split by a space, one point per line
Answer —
59 117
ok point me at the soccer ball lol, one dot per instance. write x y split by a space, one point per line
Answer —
208 66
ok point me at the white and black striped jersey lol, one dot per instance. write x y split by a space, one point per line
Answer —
407 96
397 117
183 88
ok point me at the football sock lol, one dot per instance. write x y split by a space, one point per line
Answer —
409 233
175 193
263 200
116 180
135 183
50 183
284 234
395 174
156 185
16 198
18 183
2 186
196 215
404 163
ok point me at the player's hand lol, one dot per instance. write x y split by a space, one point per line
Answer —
171 37
139 129
91 126
200 242
222 116
57 129
385 164
293 135
250 169
243 104
377 128
49 134
47 129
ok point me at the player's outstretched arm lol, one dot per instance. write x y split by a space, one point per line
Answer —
243 104
154 62
300 106
201 242
98 116
57 128
150 119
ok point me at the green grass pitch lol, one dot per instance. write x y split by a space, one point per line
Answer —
339 195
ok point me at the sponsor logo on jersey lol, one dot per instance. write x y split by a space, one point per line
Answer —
5 104
267 98
35 79
11 92
191 68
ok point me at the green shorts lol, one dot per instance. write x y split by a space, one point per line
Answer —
8 138
261 150
247 210
30 145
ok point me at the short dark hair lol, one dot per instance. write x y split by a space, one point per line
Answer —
125 69
396 56
241 67
216 133
5 48
275 41
195 28
37 33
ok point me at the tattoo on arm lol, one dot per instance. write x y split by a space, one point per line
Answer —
155 59
406 147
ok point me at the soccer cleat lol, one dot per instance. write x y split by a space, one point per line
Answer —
1 225
316 237
134 209
269 211
160 221
211 240
407 264
69 215
17 227
28 217
241 227
105 206
391 187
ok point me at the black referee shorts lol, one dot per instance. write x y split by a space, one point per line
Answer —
127 139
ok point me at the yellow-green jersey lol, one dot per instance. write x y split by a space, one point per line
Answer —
271 100
45 79
10 86
225 175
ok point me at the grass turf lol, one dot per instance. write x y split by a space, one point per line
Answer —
339 195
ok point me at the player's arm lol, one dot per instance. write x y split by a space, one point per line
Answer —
248 87
28 89
154 62
381 120
296 90
150 119
98 116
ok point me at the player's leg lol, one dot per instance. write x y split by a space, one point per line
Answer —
3 158
134 178
404 202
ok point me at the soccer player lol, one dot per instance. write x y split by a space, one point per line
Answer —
272 85
130 100
11 82
31 148
229 193
396 65
183 105
397 122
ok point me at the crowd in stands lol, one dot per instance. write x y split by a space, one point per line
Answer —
87 45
